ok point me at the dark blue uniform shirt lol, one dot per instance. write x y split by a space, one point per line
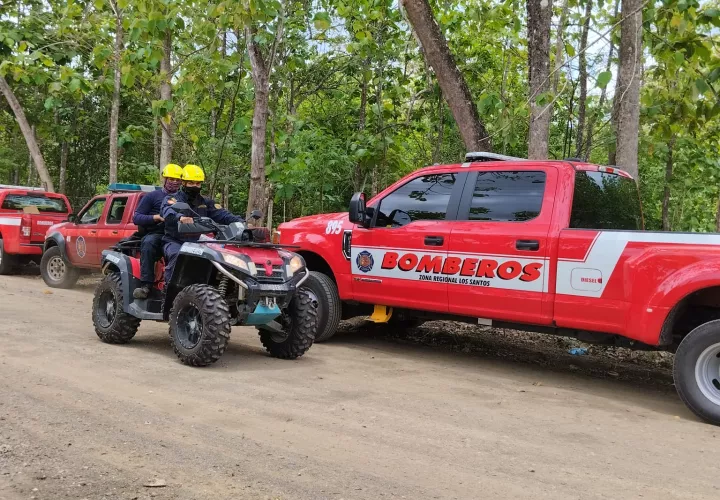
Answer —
204 207
149 206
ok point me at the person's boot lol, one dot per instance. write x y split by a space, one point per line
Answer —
142 292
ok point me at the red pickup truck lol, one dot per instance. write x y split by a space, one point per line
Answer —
549 246
25 215
76 246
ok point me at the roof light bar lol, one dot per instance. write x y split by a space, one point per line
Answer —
485 156
125 188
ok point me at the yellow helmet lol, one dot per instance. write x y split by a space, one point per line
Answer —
193 173
172 171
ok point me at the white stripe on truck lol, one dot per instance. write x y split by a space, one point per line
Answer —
9 221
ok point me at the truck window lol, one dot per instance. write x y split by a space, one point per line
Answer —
94 212
507 196
42 202
605 201
117 210
423 198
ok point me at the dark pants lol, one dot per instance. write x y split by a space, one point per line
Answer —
172 248
150 252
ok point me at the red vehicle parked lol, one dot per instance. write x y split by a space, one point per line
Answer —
76 246
25 215
549 246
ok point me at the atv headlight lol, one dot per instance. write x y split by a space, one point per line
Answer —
236 261
295 264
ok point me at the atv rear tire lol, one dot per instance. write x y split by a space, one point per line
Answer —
696 371
329 309
7 262
112 324
299 323
55 271
199 325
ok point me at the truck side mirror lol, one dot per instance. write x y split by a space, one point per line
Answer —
358 211
73 218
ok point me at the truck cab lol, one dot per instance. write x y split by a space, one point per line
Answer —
25 215
75 246
549 246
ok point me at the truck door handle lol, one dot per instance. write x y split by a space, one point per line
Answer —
115 232
434 241
93 232
531 245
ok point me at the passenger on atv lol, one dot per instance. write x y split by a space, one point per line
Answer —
192 179
151 227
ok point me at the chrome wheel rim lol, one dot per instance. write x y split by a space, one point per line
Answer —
56 268
707 373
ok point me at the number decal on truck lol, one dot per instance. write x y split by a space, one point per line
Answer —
334 227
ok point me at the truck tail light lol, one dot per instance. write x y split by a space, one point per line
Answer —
25 226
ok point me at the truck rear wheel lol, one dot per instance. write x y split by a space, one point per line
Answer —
112 324
7 262
299 322
56 273
199 325
329 307
697 371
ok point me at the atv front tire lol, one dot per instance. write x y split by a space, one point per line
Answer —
199 325
329 309
56 273
112 324
299 323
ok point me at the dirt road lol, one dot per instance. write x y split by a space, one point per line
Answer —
361 417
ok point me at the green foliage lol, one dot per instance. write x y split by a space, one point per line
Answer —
333 56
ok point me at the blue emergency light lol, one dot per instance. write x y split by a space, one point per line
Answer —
117 187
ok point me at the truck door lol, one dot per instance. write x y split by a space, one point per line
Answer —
115 223
399 260
81 239
500 244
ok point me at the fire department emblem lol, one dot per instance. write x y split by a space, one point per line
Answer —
80 246
365 261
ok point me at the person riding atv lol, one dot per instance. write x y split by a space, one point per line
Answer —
192 179
233 278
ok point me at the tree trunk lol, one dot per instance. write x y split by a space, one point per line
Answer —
166 141
453 85
627 92
115 108
437 150
603 92
261 81
358 181
27 132
666 194
559 46
64 154
539 18
582 101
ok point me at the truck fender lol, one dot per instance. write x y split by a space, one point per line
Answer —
118 262
651 315
55 239
316 258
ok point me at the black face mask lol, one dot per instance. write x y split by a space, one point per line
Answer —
192 192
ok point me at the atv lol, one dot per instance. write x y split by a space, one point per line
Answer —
234 278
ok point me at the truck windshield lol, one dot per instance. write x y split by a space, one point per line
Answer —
605 201
42 202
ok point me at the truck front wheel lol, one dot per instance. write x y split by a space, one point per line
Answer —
697 371
56 273
329 308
